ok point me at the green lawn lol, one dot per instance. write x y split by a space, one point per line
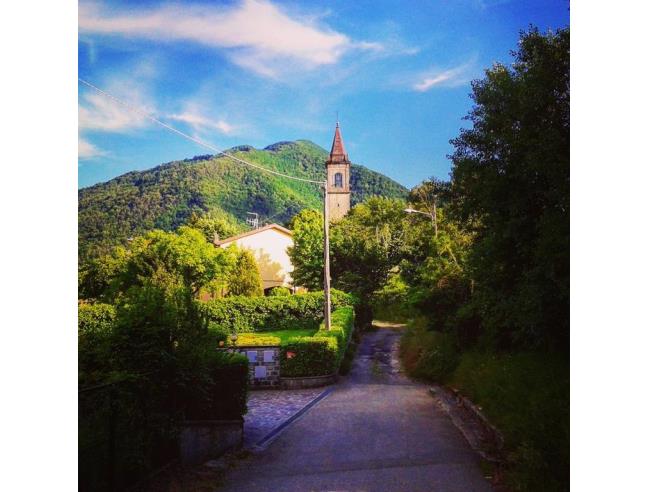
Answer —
278 337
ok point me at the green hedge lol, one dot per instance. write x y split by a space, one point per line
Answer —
322 353
253 314
279 291
212 384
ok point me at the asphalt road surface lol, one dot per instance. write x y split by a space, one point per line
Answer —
376 431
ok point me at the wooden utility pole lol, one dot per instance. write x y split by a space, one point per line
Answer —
327 263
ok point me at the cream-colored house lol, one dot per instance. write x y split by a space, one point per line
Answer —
269 245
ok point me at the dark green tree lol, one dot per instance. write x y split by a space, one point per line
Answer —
245 279
511 186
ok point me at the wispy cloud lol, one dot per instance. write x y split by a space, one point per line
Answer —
453 77
99 113
88 150
201 123
255 34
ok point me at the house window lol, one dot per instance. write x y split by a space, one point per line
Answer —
338 180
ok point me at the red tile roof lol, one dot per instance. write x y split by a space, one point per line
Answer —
338 153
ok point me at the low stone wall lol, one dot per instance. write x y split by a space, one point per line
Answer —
202 440
307 382
264 365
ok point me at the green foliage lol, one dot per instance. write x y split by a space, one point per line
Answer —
275 337
511 185
322 353
307 252
526 396
313 356
391 302
96 323
245 279
429 192
365 246
215 225
214 187
279 291
211 383
255 314
428 355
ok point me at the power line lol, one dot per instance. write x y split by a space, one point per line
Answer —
194 139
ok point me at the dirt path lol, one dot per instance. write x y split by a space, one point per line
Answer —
377 431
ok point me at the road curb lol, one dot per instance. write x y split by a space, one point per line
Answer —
266 440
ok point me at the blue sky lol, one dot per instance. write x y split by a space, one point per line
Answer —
256 72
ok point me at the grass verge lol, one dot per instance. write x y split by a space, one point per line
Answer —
524 394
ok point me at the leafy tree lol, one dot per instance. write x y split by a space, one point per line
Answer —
307 252
435 267
245 279
511 183
429 192
214 225
366 245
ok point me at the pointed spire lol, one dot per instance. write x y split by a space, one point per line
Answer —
337 150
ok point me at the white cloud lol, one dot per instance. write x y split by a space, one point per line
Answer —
255 33
201 123
99 112
453 77
88 150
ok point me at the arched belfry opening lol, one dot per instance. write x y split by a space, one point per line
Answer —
338 178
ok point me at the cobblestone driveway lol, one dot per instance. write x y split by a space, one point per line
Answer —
267 409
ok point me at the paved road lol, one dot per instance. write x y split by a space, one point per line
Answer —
377 431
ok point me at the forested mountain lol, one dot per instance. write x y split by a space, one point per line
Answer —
166 196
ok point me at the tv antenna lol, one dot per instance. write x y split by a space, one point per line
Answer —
253 220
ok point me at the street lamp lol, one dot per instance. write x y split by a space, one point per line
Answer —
431 215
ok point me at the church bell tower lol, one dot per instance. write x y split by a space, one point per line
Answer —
338 178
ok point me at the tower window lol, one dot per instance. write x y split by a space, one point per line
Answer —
338 180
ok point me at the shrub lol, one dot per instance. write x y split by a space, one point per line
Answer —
95 325
253 314
427 354
322 353
279 291
309 356
211 383
526 396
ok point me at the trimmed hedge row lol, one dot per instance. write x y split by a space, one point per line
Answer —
254 314
322 353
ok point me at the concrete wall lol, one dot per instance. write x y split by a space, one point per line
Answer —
202 440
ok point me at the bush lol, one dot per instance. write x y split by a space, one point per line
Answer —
95 329
322 353
526 396
309 356
429 355
279 291
254 314
211 383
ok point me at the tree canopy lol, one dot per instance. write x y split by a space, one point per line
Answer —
510 179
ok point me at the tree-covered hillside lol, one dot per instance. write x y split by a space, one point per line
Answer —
166 196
